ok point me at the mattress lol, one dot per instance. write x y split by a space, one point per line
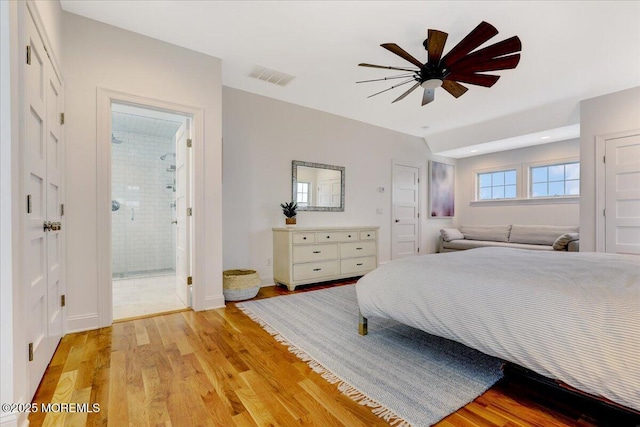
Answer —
573 317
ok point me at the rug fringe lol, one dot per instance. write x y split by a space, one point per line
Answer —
345 388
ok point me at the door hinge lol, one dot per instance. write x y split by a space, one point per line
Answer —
63 300
604 212
418 214
418 180
28 54
28 203
30 352
418 250
604 159
62 209
61 118
189 211
189 280
189 142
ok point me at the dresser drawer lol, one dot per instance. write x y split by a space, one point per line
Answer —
303 238
315 270
337 236
309 253
357 265
358 249
368 235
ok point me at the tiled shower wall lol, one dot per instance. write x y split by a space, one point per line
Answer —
143 237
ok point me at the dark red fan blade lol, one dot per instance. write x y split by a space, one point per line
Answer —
454 88
483 32
486 80
428 95
411 89
505 47
386 67
502 63
435 45
392 47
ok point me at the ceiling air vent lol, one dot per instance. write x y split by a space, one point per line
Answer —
270 76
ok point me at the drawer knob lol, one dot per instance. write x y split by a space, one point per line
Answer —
317 252
359 263
368 235
349 235
358 249
304 238
328 237
317 269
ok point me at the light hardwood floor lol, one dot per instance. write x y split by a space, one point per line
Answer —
219 368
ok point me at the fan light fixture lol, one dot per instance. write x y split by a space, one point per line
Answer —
431 83
464 63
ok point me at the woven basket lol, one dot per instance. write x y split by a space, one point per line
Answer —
240 284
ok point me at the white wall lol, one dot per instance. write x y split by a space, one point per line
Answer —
551 116
511 212
102 56
603 115
261 138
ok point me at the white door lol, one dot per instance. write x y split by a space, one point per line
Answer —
55 239
405 215
622 189
43 157
329 192
336 193
183 226
324 193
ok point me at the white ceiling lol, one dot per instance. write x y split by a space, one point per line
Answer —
571 51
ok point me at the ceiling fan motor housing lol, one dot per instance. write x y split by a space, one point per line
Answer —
431 76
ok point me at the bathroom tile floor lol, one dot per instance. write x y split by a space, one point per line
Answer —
141 296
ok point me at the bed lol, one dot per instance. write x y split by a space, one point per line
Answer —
570 317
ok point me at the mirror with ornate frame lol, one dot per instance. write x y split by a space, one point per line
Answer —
317 187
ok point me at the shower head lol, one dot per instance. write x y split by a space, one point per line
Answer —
165 156
115 140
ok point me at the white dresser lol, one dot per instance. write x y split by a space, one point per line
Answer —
303 255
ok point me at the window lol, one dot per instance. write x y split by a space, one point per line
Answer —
555 180
303 193
497 185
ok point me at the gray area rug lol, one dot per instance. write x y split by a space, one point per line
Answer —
406 376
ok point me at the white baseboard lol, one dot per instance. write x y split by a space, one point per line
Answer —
267 282
13 419
8 420
215 301
83 322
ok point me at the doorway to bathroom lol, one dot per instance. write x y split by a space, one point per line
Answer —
149 222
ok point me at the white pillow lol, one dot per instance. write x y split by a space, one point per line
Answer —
449 234
561 242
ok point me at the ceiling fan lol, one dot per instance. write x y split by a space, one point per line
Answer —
459 65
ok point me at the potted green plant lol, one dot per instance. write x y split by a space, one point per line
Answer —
289 210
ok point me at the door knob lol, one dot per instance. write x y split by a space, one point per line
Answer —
397 220
46 226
